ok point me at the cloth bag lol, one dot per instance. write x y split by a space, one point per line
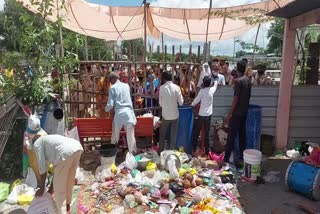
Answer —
44 205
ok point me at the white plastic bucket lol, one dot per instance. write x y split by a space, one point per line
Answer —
107 161
252 163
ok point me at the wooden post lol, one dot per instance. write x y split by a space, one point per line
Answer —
150 54
173 54
205 49
130 78
190 53
129 52
165 53
86 57
199 49
285 89
255 44
145 30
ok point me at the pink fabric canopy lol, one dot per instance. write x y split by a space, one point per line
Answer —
125 23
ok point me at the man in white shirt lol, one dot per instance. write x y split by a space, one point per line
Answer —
120 100
206 71
169 98
205 97
64 153
216 76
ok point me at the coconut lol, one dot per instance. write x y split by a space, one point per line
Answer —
186 183
188 176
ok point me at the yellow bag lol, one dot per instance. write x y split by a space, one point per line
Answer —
151 166
24 199
114 168
50 169
15 183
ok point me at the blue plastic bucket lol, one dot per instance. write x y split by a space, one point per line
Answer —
185 125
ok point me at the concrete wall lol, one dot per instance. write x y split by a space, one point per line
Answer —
305 110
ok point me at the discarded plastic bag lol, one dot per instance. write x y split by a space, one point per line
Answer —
117 210
151 166
14 184
25 199
314 157
73 133
31 179
4 191
164 209
131 162
173 169
13 197
293 154
272 177
216 157
44 205
80 175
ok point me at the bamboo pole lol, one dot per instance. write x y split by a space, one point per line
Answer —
205 52
165 53
173 53
145 30
255 44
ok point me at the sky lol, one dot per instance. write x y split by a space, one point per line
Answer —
1 4
224 47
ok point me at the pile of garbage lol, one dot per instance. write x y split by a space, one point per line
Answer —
170 183
306 151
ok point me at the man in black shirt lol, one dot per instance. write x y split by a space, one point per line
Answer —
237 115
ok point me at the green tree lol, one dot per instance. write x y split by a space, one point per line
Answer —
29 42
249 47
136 46
275 36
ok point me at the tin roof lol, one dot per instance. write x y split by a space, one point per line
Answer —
295 8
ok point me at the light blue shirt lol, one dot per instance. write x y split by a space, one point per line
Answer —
220 79
120 100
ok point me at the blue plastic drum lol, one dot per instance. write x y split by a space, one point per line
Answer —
304 179
185 125
254 118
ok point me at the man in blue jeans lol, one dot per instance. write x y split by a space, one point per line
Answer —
237 115
205 96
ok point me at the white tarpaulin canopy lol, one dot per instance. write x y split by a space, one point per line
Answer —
125 23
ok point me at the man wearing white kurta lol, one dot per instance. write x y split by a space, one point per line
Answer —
120 100
64 153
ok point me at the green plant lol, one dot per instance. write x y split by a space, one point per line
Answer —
31 53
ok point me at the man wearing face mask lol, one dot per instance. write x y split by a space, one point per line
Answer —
216 76
261 78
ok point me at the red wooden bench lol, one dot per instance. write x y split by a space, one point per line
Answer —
102 127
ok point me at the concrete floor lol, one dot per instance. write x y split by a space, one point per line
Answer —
258 199
273 198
